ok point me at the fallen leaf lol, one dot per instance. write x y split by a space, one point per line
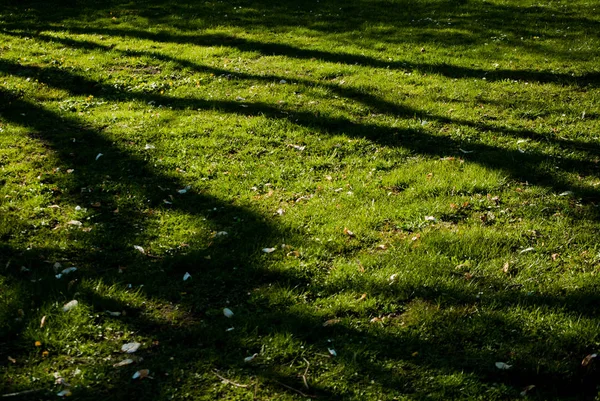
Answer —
503 366
555 256
381 247
527 389
348 232
69 305
363 297
141 374
123 363
75 223
250 358
376 320
297 147
268 250
139 248
430 218
586 361
12 360
506 268
331 322
528 249
186 276
70 170
227 312
130 348
64 393
393 277
43 321
148 146
566 193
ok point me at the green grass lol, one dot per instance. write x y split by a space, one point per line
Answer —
457 141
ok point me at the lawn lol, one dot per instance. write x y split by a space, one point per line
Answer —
291 200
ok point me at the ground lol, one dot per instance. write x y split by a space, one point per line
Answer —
339 200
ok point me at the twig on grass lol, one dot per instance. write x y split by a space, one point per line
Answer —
305 372
227 381
297 391
21 393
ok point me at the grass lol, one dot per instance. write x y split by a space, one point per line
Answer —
426 173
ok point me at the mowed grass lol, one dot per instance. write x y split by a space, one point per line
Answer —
423 174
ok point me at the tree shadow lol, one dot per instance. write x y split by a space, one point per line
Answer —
451 349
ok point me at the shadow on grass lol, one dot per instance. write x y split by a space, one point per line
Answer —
454 348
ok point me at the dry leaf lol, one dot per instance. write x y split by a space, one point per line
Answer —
363 297
430 218
527 389
123 363
43 321
227 312
586 361
348 232
75 223
331 322
506 268
130 348
381 247
376 320
141 374
555 256
12 360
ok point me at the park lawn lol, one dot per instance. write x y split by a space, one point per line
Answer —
398 200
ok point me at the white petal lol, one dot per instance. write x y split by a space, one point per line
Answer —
130 348
186 276
69 305
227 312
503 366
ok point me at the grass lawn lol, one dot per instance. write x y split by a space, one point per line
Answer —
396 199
